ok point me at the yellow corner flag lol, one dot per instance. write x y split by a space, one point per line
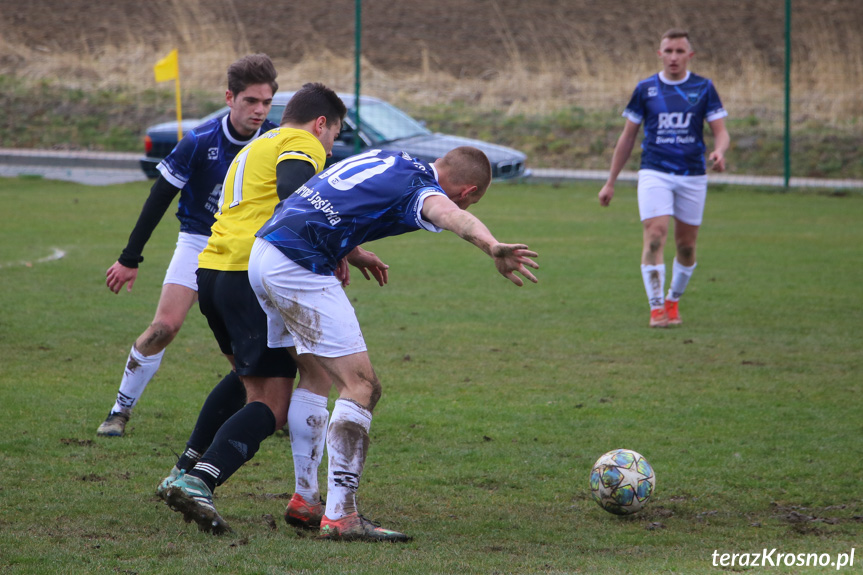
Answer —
168 68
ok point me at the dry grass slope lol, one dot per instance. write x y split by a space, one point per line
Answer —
506 54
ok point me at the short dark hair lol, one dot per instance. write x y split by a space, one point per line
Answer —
673 33
468 165
249 70
312 101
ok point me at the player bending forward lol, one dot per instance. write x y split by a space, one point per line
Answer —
363 198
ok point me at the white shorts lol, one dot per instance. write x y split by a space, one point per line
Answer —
184 263
661 194
304 310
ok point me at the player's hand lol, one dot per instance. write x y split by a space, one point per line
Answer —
118 274
343 272
367 262
605 195
718 159
511 258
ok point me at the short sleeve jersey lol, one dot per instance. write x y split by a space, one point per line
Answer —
366 197
674 114
249 194
197 166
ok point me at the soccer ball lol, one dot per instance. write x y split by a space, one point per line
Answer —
622 481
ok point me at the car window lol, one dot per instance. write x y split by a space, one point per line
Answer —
385 123
346 135
275 115
381 122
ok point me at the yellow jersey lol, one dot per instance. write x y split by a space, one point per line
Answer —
249 195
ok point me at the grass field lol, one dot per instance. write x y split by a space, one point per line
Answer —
497 400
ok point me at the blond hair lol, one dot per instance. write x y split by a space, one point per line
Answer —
674 33
468 165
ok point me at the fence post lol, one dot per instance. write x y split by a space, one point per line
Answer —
787 145
358 28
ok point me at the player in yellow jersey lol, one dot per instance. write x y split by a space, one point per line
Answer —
250 191
262 174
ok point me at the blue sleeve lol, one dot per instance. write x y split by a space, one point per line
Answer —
714 110
181 163
634 111
413 215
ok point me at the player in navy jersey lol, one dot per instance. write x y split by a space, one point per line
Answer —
294 267
195 169
673 106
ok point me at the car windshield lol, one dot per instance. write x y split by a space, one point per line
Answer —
383 122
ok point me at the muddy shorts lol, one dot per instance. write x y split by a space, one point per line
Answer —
306 310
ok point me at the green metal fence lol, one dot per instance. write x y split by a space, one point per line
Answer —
804 123
548 77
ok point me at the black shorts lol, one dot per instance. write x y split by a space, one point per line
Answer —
240 325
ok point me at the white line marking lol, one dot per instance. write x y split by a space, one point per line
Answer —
56 254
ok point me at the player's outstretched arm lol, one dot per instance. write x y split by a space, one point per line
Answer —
508 258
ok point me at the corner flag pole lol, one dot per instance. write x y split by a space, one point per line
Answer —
179 111
168 68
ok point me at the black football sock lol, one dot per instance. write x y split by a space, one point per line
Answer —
236 443
226 399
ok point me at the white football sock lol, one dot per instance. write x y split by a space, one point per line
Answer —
307 424
347 444
139 371
680 275
654 284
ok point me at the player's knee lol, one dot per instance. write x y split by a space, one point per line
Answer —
654 244
685 253
160 334
280 413
377 391
373 390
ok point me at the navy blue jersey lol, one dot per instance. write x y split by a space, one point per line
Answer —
197 165
362 198
674 114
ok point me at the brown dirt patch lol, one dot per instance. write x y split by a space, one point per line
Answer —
464 39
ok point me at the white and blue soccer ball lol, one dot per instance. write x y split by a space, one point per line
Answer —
622 481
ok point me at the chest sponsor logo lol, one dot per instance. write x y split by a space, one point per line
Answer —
674 120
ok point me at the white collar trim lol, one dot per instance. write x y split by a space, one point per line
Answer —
673 82
232 139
